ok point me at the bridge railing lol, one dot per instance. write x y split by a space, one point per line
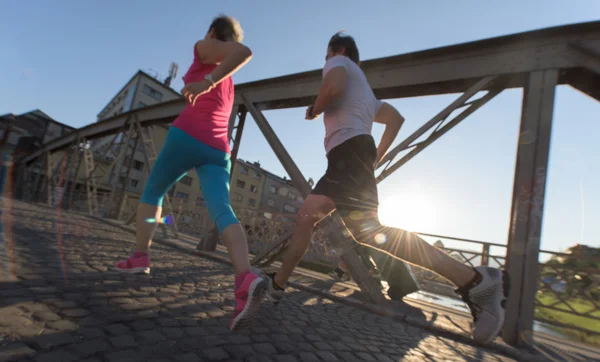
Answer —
568 294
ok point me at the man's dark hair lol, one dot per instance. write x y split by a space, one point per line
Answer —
340 42
227 29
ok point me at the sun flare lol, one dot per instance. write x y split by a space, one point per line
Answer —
408 210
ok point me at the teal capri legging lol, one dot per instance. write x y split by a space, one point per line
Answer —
179 154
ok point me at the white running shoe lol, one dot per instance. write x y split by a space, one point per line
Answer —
486 300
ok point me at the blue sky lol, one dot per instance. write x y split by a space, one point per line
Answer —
68 58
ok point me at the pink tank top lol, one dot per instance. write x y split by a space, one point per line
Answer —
208 120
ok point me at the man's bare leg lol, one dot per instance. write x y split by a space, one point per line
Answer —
410 248
315 207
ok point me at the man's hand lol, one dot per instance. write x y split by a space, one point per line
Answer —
309 114
192 91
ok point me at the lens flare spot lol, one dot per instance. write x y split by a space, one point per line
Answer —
380 238
167 220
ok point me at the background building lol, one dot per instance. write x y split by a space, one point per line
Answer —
36 126
247 185
140 91
280 196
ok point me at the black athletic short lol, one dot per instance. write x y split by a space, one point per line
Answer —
350 177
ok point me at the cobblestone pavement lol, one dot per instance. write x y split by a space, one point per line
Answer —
78 309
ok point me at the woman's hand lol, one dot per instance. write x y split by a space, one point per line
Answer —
193 90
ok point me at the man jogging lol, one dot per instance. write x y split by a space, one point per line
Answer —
349 184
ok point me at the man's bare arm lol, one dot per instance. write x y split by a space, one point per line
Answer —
393 121
230 55
332 87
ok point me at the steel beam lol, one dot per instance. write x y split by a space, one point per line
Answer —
436 71
298 180
417 148
438 118
584 56
528 205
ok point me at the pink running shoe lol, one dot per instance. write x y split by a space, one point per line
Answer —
248 297
139 265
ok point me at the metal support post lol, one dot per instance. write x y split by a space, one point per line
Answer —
528 205
90 181
78 160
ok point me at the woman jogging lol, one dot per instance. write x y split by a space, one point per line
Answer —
199 139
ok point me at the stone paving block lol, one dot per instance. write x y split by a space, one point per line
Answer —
285 358
172 333
123 341
239 339
63 325
75 313
366 356
188 357
90 348
151 336
195 331
15 351
46 316
125 356
285 347
323 346
49 341
57 356
309 357
240 351
142 324
117 329
264 348
92 332
216 354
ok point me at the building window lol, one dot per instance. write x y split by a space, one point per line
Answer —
243 170
271 202
236 197
13 138
141 105
292 196
152 92
138 165
256 175
120 110
200 201
186 180
181 195
253 188
273 189
133 183
241 184
289 208
251 202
